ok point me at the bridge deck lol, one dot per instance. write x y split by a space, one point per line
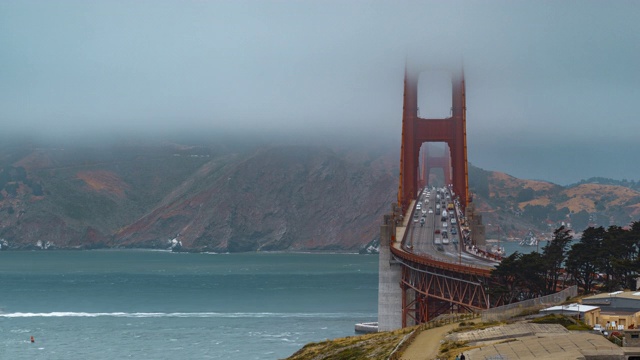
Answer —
403 248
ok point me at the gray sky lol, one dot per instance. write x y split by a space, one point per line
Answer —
552 86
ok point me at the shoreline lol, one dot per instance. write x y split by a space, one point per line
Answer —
311 252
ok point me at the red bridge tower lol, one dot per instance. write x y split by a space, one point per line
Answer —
416 131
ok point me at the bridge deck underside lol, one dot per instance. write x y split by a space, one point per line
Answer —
428 292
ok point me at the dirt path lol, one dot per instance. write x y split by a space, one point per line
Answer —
425 346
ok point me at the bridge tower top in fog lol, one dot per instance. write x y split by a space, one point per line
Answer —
417 130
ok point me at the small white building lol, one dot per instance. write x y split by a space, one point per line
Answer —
587 313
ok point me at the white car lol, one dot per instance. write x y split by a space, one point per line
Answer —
424 211
430 211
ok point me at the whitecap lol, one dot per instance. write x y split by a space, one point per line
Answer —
183 315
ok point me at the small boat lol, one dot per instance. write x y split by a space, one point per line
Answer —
529 240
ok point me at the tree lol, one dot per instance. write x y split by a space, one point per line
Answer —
526 195
518 277
504 278
580 220
554 254
583 258
616 253
532 275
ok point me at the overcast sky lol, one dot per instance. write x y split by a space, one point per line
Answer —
553 87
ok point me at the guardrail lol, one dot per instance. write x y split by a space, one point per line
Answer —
441 264
508 311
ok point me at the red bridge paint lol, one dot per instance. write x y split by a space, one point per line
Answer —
416 131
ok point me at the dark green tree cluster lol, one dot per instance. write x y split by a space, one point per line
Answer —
525 276
606 258
11 177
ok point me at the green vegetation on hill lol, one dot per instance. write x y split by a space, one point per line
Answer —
512 207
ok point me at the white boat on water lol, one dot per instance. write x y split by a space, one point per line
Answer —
529 240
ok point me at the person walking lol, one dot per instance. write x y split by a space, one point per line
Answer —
462 357
457 357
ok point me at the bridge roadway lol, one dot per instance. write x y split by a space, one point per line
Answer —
417 243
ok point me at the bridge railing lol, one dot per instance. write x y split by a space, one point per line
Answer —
481 253
426 259
508 311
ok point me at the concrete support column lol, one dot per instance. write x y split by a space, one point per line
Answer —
389 292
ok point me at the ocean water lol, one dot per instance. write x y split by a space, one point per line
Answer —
512 246
127 304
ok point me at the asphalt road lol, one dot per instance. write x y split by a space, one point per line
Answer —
421 238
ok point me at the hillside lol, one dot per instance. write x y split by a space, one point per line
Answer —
228 198
293 197
209 198
512 207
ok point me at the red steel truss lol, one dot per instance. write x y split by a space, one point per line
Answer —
430 291
431 287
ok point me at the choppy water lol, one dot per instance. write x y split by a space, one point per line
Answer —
161 305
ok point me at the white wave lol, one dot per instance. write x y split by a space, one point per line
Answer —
183 315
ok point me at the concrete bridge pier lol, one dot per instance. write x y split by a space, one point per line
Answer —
390 272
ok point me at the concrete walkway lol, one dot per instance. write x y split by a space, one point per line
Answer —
536 341
427 344
520 341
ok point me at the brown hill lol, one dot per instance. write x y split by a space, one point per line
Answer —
273 198
279 198
236 198
512 207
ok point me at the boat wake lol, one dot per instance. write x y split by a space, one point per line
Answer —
183 315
